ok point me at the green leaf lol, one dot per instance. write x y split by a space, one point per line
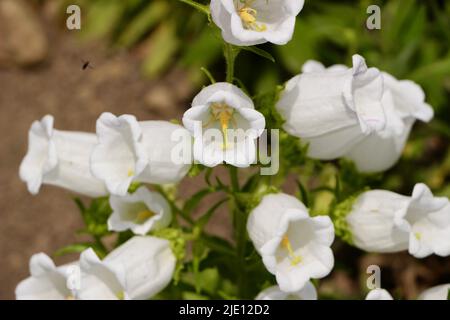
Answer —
201 223
73 248
259 52
192 295
193 202
217 244
303 193
252 182
95 216
162 47
148 18
78 248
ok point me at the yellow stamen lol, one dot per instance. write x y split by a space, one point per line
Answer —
418 235
144 215
70 297
248 17
130 172
120 295
295 259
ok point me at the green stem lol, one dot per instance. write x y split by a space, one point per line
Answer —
241 239
234 179
240 235
239 217
230 53
100 245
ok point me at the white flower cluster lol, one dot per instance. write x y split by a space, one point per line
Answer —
358 113
138 269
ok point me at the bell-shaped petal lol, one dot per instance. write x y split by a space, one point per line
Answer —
101 280
372 221
129 150
379 294
333 109
225 126
384 221
250 22
60 158
308 292
428 222
148 264
47 282
403 102
139 212
294 246
441 292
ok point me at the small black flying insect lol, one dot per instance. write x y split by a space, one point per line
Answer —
86 64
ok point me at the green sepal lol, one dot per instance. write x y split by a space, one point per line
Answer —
177 245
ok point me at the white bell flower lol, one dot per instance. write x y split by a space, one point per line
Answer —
404 103
379 294
138 269
129 150
140 212
251 22
225 126
294 246
333 109
101 280
47 282
384 221
59 158
308 292
440 292
428 224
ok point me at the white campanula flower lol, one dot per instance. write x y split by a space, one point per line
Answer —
403 102
140 212
441 292
138 269
101 280
384 221
379 294
59 158
308 292
333 109
47 282
225 126
251 22
294 246
129 150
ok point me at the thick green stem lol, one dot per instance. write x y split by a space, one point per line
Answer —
234 179
230 53
239 216
240 235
